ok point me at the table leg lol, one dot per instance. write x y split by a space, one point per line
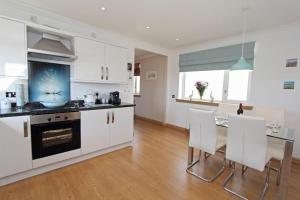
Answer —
286 170
190 155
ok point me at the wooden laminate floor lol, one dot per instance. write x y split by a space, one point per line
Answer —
154 168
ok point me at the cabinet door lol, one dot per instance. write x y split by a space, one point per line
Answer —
94 130
89 66
15 145
12 48
121 128
116 63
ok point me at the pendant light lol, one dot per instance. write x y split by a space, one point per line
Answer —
242 64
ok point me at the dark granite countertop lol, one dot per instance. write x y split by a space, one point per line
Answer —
13 112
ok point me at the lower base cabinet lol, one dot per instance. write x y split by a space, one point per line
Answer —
121 128
94 130
105 128
15 145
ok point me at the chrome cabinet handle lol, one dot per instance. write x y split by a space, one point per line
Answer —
113 117
102 72
106 73
25 126
107 117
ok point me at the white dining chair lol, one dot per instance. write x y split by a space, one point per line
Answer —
247 145
227 108
204 137
273 116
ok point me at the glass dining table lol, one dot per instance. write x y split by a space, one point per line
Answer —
283 134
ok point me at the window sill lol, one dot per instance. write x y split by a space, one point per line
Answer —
137 95
208 103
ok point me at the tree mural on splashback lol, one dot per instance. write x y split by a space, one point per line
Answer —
48 82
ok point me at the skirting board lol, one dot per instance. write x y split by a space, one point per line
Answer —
176 127
296 161
149 120
44 169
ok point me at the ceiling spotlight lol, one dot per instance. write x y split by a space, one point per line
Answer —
148 27
103 8
177 39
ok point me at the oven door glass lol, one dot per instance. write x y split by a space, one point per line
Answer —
53 138
57 137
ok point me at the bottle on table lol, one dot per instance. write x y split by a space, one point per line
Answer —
240 111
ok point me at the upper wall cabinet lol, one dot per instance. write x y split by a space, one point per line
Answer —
116 63
12 48
89 65
99 63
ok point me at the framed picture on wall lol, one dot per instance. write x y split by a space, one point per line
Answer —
291 62
152 75
289 85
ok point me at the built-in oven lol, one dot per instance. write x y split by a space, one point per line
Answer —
54 133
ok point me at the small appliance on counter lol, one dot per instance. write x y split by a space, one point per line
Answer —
89 97
5 104
115 98
98 100
11 97
20 95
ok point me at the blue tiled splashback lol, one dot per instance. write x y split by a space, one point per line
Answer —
48 82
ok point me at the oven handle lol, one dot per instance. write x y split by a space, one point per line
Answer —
25 126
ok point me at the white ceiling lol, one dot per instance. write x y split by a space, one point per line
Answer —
190 20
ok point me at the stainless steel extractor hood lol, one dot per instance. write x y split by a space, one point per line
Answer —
51 47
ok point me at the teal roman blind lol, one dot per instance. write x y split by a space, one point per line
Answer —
221 58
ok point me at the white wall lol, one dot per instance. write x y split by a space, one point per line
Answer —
23 12
151 103
273 47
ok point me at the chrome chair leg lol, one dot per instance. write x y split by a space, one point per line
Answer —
279 174
211 179
190 155
206 155
278 171
231 175
244 169
262 195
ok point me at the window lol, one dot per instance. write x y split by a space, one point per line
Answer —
137 84
137 78
238 85
224 85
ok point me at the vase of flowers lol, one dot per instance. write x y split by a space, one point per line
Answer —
201 87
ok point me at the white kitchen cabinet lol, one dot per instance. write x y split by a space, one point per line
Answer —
94 130
99 63
90 63
116 63
105 128
15 145
13 49
121 127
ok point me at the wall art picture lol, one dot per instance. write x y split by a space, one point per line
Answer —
292 62
289 85
151 75
48 82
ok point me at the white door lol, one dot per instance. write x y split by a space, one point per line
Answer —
94 130
15 145
12 48
116 59
89 66
121 128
